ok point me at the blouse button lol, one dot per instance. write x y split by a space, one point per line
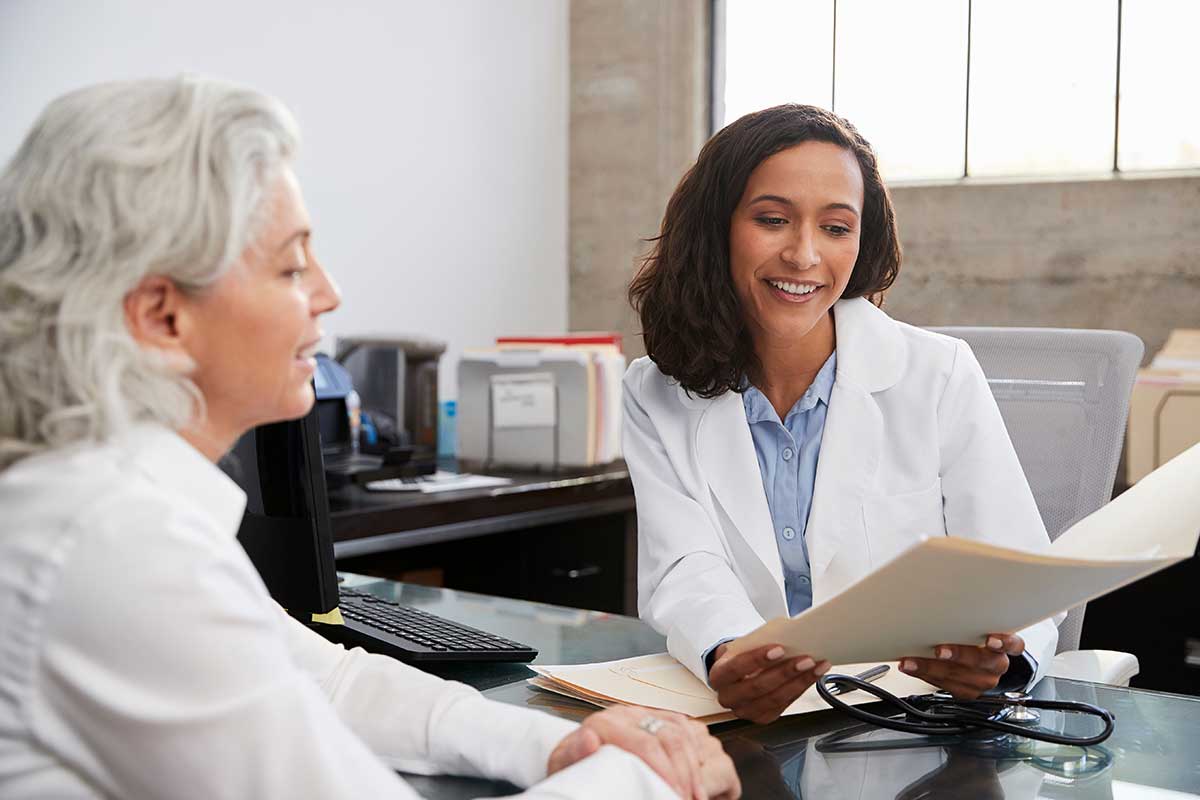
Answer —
789 534
787 454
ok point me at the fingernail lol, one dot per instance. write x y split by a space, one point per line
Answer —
995 644
805 664
822 668
944 653
774 654
908 665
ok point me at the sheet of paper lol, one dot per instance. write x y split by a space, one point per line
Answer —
453 481
1158 517
524 400
950 590
659 681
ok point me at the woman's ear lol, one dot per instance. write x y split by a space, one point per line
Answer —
153 311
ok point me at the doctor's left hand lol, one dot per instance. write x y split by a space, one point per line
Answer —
967 671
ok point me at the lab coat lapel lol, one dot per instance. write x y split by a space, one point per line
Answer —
727 460
850 450
872 356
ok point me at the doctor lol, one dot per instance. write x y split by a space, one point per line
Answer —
784 435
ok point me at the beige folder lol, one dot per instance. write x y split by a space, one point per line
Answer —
659 681
950 590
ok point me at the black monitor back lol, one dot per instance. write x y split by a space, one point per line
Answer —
286 529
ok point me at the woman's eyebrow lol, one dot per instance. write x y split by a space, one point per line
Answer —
775 198
845 206
303 233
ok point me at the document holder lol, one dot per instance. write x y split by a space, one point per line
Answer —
527 408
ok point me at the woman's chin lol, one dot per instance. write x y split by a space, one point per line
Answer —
300 403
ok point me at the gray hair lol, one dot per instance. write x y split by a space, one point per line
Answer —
113 183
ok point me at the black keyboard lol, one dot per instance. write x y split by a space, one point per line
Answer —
409 634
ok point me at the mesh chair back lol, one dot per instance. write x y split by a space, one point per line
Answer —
1064 396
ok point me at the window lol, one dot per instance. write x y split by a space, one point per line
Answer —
950 88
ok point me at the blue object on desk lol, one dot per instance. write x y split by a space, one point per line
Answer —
447 445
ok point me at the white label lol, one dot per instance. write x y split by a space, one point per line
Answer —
524 400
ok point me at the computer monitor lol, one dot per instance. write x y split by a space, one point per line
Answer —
286 529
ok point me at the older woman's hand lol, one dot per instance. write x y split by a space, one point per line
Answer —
967 671
759 684
679 749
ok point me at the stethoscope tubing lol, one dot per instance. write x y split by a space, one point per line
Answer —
942 718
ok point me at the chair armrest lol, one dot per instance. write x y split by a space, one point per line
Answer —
1098 666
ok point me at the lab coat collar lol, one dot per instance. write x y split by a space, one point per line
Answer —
872 355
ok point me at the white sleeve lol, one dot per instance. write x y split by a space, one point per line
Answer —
168 668
420 723
687 589
168 672
984 492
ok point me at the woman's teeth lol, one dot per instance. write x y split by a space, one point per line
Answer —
794 288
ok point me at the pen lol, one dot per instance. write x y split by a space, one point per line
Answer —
869 675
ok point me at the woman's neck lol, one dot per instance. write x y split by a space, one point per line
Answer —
210 439
788 367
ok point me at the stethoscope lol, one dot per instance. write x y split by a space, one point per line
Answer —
939 714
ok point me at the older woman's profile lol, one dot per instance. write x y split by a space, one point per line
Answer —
160 295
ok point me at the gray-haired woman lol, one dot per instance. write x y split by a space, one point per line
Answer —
159 296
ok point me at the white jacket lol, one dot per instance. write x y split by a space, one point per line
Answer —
913 445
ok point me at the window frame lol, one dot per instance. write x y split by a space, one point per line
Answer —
717 112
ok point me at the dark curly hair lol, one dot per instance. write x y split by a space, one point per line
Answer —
692 322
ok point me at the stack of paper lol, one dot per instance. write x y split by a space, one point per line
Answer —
659 681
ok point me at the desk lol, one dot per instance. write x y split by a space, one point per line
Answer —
1154 751
560 538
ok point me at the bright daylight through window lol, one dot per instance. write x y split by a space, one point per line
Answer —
950 88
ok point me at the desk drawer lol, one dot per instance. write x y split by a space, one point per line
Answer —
579 565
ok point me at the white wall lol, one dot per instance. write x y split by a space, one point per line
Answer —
434 158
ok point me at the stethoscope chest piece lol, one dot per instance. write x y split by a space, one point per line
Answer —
1017 711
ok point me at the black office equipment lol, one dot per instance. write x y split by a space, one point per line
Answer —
411 634
285 530
286 533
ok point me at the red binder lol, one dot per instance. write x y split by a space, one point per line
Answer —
566 339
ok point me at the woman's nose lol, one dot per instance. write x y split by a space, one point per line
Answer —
801 251
326 296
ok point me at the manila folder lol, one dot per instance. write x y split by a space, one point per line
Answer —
956 591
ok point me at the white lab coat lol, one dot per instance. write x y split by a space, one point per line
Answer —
914 445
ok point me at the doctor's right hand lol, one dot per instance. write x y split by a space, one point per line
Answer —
758 685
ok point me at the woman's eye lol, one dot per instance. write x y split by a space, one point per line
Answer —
837 230
294 273
772 221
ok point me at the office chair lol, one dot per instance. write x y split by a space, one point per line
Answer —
1064 396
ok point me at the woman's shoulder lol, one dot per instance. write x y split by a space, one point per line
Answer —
879 351
651 388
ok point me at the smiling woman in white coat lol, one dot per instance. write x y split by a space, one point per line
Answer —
784 435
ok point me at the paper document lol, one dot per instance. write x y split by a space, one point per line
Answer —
950 590
659 681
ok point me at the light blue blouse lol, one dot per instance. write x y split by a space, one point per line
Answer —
787 458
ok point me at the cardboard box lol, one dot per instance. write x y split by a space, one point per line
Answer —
1164 410
1181 352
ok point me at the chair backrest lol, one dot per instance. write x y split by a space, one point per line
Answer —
1064 396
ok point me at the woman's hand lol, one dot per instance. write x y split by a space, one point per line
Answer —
759 684
966 671
680 750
